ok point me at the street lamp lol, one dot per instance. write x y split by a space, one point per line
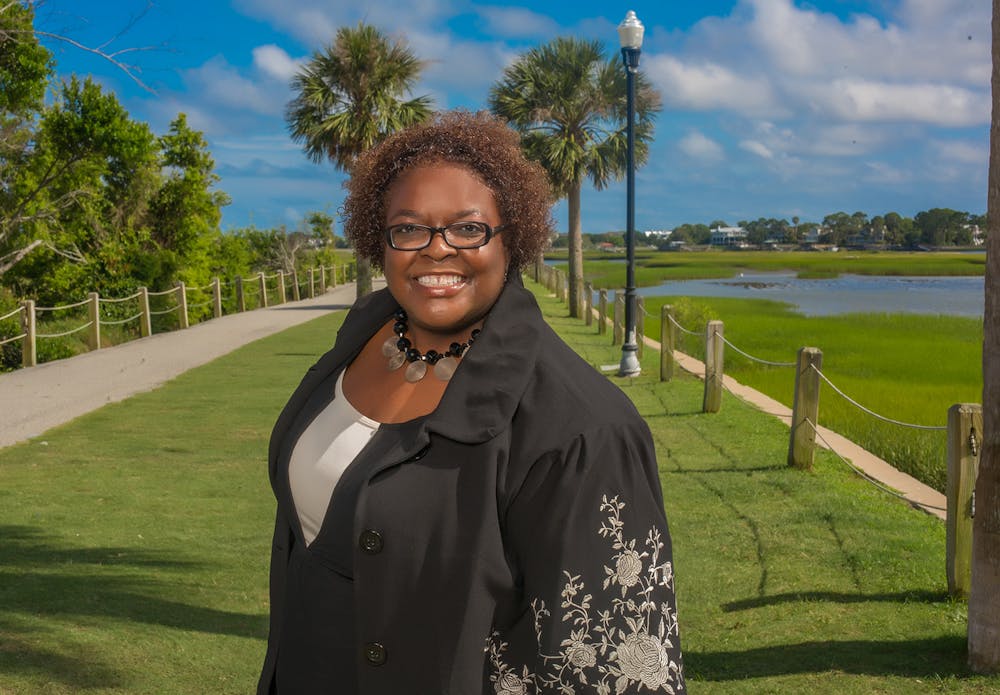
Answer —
630 36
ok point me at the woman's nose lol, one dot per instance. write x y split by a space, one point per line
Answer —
438 248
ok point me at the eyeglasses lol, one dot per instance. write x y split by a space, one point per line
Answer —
458 235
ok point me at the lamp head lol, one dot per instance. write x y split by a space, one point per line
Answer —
630 32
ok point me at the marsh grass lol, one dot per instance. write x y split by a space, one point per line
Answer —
909 368
655 267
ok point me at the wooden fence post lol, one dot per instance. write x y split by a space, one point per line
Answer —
282 297
602 311
618 325
322 279
640 325
578 285
667 342
312 283
182 301
714 356
295 285
965 431
262 281
94 310
145 318
588 304
29 351
805 408
217 298
241 302
333 275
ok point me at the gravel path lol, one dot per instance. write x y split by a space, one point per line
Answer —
35 399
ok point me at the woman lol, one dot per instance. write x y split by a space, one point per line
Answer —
464 505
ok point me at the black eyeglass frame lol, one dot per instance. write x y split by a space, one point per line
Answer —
490 233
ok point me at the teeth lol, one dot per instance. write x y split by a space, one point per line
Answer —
439 280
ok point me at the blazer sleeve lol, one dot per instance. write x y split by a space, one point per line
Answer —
589 537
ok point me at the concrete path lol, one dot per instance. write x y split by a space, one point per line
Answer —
866 463
35 399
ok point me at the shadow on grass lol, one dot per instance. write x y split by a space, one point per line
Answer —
45 585
311 307
836 597
919 658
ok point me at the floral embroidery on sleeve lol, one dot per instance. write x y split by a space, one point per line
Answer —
628 646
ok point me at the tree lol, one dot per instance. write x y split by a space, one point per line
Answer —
568 101
350 96
25 68
984 609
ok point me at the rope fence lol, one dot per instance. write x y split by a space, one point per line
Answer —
963 431
13 313
65 333
875 415
62 306
318 279
107 300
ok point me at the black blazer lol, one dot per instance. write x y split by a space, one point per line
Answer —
512 541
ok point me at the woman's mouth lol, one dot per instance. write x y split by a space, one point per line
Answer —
440 280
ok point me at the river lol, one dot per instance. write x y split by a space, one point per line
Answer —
847 294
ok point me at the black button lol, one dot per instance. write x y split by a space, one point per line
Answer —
370 541
375 654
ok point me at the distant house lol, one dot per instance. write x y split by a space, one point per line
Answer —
729 236
654 235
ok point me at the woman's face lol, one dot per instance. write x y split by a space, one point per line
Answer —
444 291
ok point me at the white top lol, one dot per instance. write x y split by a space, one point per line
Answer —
322 454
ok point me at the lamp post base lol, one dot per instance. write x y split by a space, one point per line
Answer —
629 365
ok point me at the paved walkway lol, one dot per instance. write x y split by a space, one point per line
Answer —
35 399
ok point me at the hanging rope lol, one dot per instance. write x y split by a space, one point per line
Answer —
873 413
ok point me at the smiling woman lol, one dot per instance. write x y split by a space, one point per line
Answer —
436 534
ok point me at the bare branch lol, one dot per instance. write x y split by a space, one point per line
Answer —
11 259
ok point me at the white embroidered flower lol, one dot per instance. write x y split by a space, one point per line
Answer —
628 568
510 684
643 658
581 655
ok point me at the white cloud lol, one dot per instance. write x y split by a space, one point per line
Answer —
698 146
757 148
275 62
960 152
707 86
864 100
517 22
220 83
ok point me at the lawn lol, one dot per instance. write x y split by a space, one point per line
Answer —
134 544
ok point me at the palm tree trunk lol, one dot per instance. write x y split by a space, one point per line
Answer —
984 596
575 251
364 277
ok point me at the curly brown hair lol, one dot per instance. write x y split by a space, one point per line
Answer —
479 141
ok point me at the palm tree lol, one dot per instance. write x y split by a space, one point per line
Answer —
350 96
984 610
568 101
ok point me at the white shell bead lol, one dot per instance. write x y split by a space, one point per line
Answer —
389 347
445 367
415 372
396 361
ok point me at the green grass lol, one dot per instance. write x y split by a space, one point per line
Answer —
134 544
906 367
655 267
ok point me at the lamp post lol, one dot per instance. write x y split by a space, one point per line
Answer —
630 36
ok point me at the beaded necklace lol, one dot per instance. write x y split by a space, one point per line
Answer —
399 350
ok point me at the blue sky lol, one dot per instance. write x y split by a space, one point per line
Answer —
771 108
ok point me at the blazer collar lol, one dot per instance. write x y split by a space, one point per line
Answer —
487 386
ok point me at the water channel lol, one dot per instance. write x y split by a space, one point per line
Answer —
847 294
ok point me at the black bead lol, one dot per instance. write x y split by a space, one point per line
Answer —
412 354
399 328
400 314
475 334
403 343
455 349
432 357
